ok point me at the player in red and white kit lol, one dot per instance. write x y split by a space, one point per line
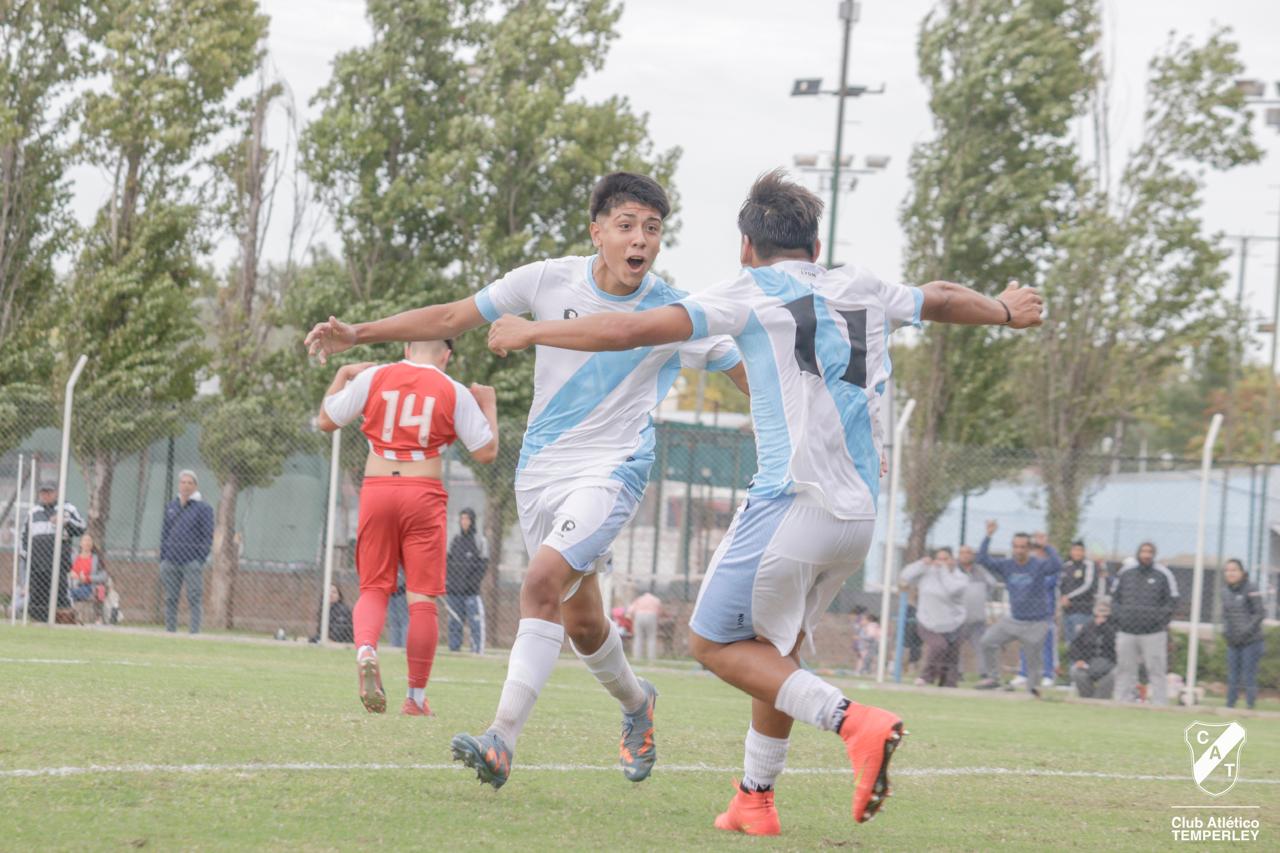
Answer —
411 409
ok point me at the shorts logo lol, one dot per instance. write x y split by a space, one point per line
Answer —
569 313
1215 755
741 619
567 526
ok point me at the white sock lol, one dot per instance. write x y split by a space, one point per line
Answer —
365 652
418 695
609 665
765 758
807 698
533 656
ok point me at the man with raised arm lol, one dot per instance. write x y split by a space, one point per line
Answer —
814 343
585 459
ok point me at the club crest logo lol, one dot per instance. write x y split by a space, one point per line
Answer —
569 313
1215 755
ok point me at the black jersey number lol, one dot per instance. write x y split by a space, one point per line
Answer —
802 310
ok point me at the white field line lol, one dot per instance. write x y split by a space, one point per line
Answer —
306 766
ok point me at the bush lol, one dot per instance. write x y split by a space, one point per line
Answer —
1212 664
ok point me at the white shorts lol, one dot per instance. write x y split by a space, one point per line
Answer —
579 518
777 570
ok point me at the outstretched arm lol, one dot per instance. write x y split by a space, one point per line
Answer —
433 323
597 333
947 302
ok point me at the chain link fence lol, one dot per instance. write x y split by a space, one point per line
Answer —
265 503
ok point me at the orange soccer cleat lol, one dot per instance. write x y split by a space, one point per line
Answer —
751 813
410 708
870 737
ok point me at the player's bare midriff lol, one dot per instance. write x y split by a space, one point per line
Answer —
378 466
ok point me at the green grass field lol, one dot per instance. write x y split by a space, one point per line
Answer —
167 743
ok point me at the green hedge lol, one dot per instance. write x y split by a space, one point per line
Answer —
1213 660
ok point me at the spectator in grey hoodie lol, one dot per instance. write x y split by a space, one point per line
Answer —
940 614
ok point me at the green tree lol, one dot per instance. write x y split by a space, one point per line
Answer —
166 69
42 51
450 150
1006 79
259 416
1134 289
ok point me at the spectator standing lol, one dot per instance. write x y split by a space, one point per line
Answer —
468 560
870 635
1079 588
1242 630
185 541
41 527
644 613
1025 577
977 593
940 613
1093 655
1143 602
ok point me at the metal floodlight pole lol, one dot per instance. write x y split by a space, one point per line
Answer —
17 537
330 529
886 572
31 502
1197 580
58 533
849 13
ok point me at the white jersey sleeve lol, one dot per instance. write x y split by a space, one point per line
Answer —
715 354
902 303
346 405
719 310
514 293
469 422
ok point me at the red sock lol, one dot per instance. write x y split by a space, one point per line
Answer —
368 616
420 645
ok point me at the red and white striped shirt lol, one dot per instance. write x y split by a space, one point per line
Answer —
410 411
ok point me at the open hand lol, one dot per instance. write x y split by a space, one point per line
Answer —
991 527
509 333
1025 305
329 337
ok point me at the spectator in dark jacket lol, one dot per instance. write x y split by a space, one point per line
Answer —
1142 605
1079 588
1242 629
40 529
340 628
1026 578
1093 655
185 541
468 559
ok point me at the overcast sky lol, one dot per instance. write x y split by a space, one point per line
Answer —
715 77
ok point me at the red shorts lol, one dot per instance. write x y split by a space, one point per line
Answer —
403 522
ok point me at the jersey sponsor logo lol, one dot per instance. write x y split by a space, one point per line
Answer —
568 525
569 313
1215 755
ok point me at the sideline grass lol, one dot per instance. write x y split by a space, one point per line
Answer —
73 698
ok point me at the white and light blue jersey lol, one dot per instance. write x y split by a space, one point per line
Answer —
815 344
592 412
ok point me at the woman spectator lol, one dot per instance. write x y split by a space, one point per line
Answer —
340 630
1242 629
468 559
88 579
939 614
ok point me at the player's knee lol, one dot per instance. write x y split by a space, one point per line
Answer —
587 635
704 651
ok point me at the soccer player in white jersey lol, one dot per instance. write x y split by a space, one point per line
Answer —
815 346
586 455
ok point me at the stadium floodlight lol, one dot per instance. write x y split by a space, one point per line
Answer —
1252 88
806 86
877 161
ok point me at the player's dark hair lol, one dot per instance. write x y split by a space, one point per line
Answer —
779 215
448 342
622 187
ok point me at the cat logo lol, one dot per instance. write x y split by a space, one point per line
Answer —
569 313
1215 755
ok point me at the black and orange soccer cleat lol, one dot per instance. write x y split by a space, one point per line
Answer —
751 813
637 751
870 737
487 755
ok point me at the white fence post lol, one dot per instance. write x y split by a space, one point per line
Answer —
1197 579
56 574
886 572
330 527
31 502
17 551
